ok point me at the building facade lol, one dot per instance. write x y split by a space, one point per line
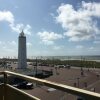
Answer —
22 56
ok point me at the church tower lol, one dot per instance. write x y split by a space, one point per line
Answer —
22 59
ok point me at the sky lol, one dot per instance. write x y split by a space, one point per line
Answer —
52 27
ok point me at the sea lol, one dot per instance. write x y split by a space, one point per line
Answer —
86 58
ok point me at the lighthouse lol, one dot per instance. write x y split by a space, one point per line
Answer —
22 56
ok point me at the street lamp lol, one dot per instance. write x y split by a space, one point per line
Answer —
36 65
78 82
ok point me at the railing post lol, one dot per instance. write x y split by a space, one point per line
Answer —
5 88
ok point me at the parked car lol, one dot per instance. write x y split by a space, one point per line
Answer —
60 66
68 66
24 85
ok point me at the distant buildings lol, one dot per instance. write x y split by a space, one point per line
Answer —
22 59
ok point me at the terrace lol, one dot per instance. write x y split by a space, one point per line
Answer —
8 92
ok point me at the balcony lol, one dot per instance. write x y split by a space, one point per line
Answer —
8 92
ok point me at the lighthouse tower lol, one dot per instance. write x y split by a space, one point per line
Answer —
22 59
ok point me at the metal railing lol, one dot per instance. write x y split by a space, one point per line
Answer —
87 95
8 92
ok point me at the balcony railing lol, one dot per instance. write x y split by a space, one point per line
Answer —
8 92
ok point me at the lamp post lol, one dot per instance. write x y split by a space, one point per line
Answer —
78 82
36 66
81 64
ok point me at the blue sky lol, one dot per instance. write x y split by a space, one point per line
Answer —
52 27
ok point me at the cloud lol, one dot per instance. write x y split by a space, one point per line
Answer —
9 50
6 46
48 42
12 43
9 17
49 37
91 48
29 44
79 46
0 42
27 29
96 42
79 24
6 16
19 27
57 47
